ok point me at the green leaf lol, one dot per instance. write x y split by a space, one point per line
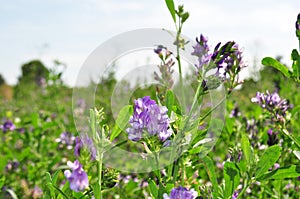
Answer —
96 190
77 194
2 181
229 125
267 160
153 188
169 187
51 189
232 178
184 17
246 148
35 120
210 169
171 7
60 191
48 177
292 171
93 121
269 61
131 186
295 55
295 110
122 121
170 101
55 176
296 63
213 82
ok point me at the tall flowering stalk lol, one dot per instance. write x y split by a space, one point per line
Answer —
226 60
165 78
273 103
277 108
179 17
201 50
99 137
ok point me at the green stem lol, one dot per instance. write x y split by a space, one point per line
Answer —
214 108
157 165
178 30
199 90
182 172
158 175
182 130
100 173
286 133
179 65
246 185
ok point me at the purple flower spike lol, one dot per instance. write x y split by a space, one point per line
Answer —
272 137
8 126
181 193
273 103
88 142
151 117
78 178
78 146
66 139
201 50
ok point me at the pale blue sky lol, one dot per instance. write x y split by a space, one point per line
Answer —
69 30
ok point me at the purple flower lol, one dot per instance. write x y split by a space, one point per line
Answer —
235 195
162 52
273 103
298 22
276 166
78 178
8 126
272 137
42 82
151 117
181 193
66 139
201 50
81 103
21 130
37 192
167 143
12 165
159 49
78 146
228 59
235 112
79 143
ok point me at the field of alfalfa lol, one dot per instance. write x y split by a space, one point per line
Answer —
184 147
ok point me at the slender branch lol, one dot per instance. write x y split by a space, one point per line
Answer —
246 185
214 108
179 64
100 173
286 133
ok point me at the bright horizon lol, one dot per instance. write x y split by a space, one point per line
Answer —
69 31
